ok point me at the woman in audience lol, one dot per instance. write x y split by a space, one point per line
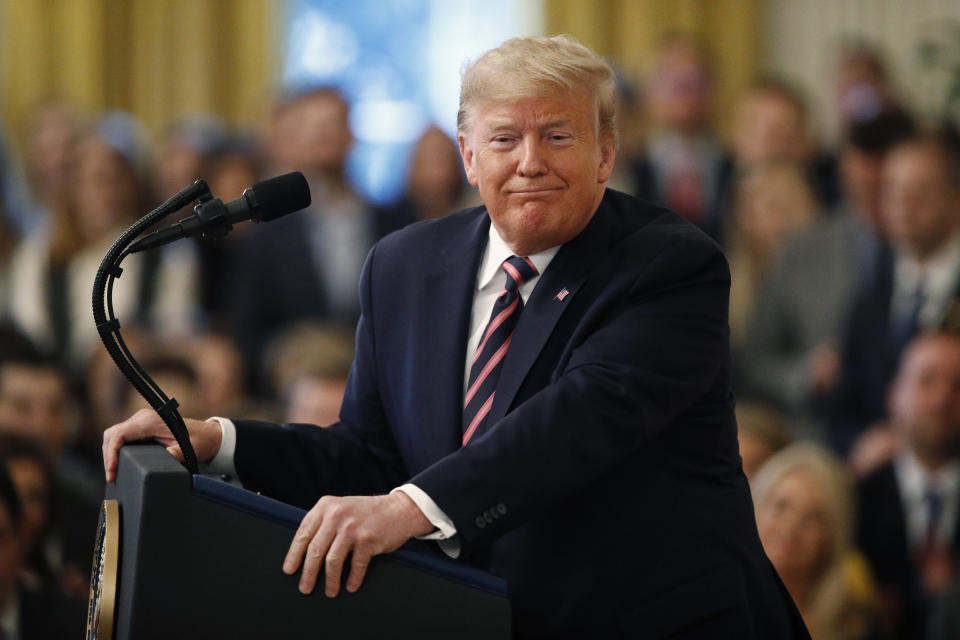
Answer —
804 511
52 274
761 432
773 201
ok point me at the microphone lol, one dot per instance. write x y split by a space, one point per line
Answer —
265 201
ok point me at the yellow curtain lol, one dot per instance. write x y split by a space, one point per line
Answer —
627 31
160 59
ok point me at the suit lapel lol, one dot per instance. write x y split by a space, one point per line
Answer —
568 271
450 289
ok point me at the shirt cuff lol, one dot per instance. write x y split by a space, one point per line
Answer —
433 513
222 463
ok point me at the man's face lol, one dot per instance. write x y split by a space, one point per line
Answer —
925 397
34 402
539 166
920 207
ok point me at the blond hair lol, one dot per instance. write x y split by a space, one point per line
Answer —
843 600
535 67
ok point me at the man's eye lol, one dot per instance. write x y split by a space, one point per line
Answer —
501 139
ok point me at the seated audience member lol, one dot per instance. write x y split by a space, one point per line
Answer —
220 371
909 506
790 355
910 287
26 613
436 184
761 432
32 473
36 403
684 166
306 266
51 275
773 202
805 519
309 365
770 125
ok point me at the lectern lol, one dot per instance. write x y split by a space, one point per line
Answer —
185 556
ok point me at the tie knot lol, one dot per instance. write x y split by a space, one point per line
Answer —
519 270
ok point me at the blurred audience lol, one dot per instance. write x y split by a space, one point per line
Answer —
790 355
28 613
910 287
306 266
909 506
804 516
773 202
684 165
51 274
761 432
308 366
436 184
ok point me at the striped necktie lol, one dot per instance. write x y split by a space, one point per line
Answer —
488 359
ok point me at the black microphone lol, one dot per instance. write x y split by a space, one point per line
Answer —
263 202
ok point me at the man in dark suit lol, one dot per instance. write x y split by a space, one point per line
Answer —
909 287
581 443
908 525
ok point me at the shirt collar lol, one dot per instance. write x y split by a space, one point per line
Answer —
497 251
915 480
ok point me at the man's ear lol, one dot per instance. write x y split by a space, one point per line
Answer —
466 153
608 153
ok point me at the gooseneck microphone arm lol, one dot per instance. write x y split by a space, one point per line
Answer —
212 218
109 327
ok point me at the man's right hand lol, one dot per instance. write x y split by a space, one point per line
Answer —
145 425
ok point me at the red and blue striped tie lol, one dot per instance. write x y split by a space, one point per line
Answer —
488 359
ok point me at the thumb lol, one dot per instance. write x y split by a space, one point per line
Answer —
174 450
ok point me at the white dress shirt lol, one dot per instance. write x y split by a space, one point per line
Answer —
913 481
491 279
939 276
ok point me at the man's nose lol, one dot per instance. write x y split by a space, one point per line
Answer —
532 161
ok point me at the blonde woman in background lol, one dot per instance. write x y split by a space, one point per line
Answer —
804 511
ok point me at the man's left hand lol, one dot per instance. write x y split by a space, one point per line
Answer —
363 525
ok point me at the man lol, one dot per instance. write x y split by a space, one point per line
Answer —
306 267
909 506
589 455
911 287
790 354
684 167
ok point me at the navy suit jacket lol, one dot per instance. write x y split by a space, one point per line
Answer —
607 489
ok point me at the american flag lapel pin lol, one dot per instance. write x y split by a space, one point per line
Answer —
563 293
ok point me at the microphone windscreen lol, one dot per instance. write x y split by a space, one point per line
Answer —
281 195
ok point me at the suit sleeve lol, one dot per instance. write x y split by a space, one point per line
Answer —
653 356
299 463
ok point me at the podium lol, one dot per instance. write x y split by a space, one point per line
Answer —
195 557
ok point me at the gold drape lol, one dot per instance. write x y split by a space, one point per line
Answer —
627 31
160 59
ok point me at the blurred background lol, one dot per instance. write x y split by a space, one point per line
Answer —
816 141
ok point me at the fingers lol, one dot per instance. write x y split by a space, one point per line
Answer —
358 570
326 538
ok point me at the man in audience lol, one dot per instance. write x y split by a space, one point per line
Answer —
909 506
306 266
684 167
25 613
790 354
36 402
910 287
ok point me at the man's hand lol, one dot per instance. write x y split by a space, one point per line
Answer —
146 424
364 525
